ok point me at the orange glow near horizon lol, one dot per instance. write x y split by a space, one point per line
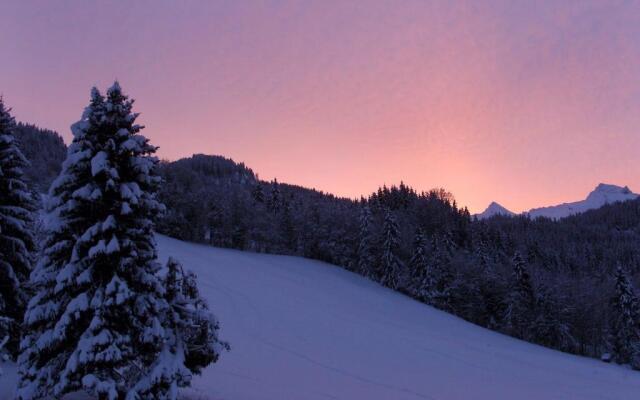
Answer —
526 105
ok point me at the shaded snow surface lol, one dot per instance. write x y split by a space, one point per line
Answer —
305 330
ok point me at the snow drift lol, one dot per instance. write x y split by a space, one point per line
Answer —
302 329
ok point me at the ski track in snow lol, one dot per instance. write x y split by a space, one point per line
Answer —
305 330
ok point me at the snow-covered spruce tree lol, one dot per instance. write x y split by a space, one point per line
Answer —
287 229
258 193
195 328
17 244
366 258
436 285
549 326
391 265
274 200
625 324
521 300
419 266
98 320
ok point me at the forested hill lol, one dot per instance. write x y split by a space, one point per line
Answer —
201 169
566 284
211 201
45 150
544 281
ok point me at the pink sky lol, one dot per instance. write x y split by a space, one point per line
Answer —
524 103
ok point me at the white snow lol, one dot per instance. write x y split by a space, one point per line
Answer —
130 191
302 329
7 380
98 248
113 246
99 163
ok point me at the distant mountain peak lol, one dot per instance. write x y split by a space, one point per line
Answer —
494 209
609 188
604 193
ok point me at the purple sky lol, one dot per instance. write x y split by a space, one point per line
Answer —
526 103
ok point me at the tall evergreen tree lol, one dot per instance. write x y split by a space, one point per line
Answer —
625 325
238 225
366 256
287 226
521 302
419 266
193 335
274 200
391 265
98 320
436 286
17 244
549 326
258 193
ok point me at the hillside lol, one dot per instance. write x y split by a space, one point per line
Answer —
45 151
302 329
570 262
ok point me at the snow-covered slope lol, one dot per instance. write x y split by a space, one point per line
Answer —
601 195
305 330
493 209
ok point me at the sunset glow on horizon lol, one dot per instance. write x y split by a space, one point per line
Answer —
523 103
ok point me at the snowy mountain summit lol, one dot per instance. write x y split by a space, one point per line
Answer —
601 195
494 209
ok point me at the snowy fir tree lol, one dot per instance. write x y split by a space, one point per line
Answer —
625 325
258 193
195 328
419 266
435 287
366 256
549 324
521 301
98 321
17 244
274 200
287 226
391 273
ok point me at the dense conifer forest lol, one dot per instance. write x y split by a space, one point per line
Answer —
45 151
566 284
